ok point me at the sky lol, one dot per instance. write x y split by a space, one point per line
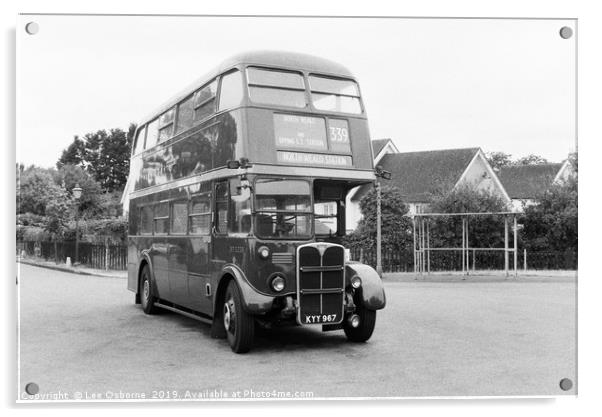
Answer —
499 84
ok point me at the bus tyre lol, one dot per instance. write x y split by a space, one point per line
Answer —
147 299
239 325
362 332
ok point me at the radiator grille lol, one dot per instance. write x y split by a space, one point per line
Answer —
321 281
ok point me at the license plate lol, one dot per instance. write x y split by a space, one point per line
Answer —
320 318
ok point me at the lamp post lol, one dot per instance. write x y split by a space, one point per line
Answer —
379 264
380 173
77 193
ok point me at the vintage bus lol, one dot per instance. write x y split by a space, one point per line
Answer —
237 200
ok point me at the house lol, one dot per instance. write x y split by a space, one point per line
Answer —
419 175
382 147
524 183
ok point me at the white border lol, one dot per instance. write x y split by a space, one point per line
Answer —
590 33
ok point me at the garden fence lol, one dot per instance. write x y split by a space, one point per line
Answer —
403 260
108 256
94 255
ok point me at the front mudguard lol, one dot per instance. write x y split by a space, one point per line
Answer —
372 292
253 301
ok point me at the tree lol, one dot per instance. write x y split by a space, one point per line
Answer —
396 227
498 160
90 203
35 188
41 201
57 212
104 155
551 224
531 159
484 231
75 154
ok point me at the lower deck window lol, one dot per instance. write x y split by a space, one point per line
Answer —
200 215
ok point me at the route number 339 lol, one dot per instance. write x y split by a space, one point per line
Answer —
339 134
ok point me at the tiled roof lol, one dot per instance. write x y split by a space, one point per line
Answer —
419 174
378 145
527 181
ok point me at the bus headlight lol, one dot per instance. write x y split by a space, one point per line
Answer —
356 282
263 252
277 283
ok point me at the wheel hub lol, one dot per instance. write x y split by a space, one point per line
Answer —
227 315
146 289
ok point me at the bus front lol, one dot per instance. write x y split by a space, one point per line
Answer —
308 145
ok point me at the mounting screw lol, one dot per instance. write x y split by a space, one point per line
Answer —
32 388
32 28
566 32
566 384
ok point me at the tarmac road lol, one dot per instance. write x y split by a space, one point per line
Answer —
83 336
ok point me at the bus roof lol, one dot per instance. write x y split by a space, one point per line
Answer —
274 59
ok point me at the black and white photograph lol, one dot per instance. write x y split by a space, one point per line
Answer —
293 207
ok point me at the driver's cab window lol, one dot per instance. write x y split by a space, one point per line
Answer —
328 209
326 218
233 207
221 207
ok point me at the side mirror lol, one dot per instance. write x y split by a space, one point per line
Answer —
233 164
381 173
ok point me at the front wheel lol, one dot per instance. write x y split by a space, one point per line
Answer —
239 325
364 330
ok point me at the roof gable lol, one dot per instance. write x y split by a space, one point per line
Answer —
527 181
420 174
378 145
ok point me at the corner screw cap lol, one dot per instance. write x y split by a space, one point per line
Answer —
566 384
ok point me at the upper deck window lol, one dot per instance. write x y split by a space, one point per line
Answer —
140 138
204 101
278 88
230 94
166 124
185 115
334 94
152 135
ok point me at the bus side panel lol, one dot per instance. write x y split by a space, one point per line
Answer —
361 146
132 265
133 259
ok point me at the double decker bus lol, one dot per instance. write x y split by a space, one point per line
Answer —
237 200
